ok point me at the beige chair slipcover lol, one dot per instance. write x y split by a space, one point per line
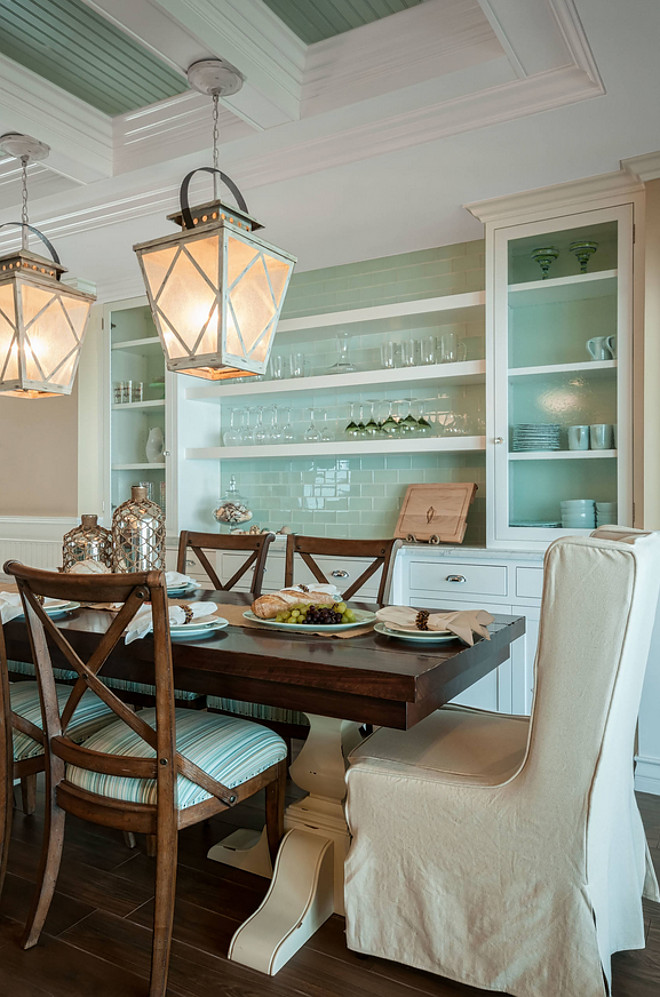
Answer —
508 853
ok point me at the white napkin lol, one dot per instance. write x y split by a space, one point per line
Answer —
11 605
174 579
142 622
89 567
328 588
463 623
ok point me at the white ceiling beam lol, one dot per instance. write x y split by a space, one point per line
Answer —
248 35
80 137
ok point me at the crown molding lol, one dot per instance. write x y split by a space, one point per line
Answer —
574 36
643 168
558 199
80 137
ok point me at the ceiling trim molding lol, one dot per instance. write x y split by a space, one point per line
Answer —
575 38
250 36
556 199
643 168
80 137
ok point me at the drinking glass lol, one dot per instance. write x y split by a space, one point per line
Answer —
389 355
126 392
118 392
231 436
450 348
278 367
297 364
408 353
429 347
312 434
245 430
138 391
274 428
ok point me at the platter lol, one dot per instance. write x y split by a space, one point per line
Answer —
56 608
420 636
362 619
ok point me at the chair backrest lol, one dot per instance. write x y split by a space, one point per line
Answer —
381 552
255 547
600 596
133 591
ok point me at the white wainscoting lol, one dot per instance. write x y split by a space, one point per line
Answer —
34 540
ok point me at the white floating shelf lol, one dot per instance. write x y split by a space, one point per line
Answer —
588 367
157 403
137 467
562 454
131 344
466 372
435 444
459 303
575 288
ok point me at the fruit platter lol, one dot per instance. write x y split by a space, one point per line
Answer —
307 610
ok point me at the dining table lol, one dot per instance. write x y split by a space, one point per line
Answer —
341 683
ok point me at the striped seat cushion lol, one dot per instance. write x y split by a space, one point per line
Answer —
69 675
257 711
227 748
91 714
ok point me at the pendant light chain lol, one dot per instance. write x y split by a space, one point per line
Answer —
216 137
24 210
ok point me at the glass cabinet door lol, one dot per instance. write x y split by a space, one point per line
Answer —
561 391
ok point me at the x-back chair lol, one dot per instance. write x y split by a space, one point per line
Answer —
153 772
255 547
382 553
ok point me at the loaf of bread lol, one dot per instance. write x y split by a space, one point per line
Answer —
268 606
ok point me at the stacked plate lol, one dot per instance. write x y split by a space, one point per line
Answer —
606 513
578 514
535 436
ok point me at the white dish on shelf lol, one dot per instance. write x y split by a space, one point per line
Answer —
362 619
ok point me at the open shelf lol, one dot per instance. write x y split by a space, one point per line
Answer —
465 372
339 448
157 403
131 344
562 454
137 467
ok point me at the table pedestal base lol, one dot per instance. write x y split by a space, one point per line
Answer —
244 849
299 900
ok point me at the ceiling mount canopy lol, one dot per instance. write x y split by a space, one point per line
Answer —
42 321
215 289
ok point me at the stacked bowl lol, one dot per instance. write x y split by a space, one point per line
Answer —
578 514
606 513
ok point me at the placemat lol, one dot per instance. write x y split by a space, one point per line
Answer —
234 615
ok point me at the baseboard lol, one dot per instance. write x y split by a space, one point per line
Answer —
647 775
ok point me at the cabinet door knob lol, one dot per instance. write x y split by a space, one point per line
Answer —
458 579
166 453
498 440
339 573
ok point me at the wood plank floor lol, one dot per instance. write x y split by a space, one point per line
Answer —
97 937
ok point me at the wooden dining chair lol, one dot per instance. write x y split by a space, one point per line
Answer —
153 772
255 547
381 552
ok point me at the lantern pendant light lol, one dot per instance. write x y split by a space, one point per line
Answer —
42 321
215 289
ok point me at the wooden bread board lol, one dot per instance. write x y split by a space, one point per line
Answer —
435 513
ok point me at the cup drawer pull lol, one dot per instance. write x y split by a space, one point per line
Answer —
459 579
339 573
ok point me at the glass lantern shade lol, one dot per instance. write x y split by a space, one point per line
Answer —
216 293
42 325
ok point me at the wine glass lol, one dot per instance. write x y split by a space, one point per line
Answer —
326 435
388 425
275 429
544 256
343 364
424 427
409 425
245 430
260 434
231 437
312 434
288 435
351 427
371 427
361 433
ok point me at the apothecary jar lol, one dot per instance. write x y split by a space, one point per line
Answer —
138 534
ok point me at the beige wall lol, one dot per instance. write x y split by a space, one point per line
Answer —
39 456
652 359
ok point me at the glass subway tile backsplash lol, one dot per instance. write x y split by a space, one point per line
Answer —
349 496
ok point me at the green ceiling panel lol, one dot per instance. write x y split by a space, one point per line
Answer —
316 20
74 47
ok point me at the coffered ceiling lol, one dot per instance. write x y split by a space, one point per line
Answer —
363 143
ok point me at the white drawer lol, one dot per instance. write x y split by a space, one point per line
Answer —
529 583
458 579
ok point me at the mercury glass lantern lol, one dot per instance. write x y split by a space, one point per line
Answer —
138 534
42 321
215 289
87 542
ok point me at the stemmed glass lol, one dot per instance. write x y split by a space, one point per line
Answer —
326 435
389 425
260 434
232 435
544 257
351 429
275 429
408 424
245 431
372 428
361 433
424 427
312 434
582 251
288 435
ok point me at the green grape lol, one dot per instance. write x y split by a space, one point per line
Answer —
340 607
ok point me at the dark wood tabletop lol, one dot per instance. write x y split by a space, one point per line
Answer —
369 678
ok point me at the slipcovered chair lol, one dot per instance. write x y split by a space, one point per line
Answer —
152 772
508 853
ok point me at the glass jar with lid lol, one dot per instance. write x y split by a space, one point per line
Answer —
232 510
